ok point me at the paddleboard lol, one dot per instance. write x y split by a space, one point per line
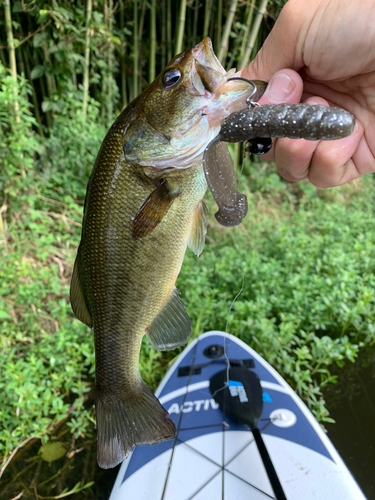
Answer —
213 457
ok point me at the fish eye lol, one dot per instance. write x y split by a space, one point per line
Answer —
171 77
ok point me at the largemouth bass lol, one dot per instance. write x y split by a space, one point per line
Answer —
143 207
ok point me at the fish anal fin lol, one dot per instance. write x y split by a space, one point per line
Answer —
123 423
152 211
198 229
172 327
77 298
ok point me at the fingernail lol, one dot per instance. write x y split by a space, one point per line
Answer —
312 102
280 87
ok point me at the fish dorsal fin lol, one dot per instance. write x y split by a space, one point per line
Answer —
152 211
77 299
198 229
172 327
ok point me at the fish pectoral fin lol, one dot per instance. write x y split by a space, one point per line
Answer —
172 327
198 229
77 298
152 211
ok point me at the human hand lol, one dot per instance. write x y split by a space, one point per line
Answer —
331 44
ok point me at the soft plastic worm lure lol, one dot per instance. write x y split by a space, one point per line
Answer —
296 121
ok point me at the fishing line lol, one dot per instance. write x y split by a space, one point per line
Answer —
227 362
227 325
226 384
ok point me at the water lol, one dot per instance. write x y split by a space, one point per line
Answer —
352 405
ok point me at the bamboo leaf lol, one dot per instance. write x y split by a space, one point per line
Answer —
37 72
17 7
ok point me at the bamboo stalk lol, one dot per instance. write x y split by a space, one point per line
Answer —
254 32
12 56
195 22
218 25
110 61
163 35
104 71
74 78
3 239
139 45
135 50
123 58
20 64
207 17
2 57
226 32
238 41
169 30
87 59
181 27
249 19
51 84
25 54
151 73
44 91
142 21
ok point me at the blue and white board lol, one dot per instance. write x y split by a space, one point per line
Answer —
215 458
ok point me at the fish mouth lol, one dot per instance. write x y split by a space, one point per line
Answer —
208 66
210 79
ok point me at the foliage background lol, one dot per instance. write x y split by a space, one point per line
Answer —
303 258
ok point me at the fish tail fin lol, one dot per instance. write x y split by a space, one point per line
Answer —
125 423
